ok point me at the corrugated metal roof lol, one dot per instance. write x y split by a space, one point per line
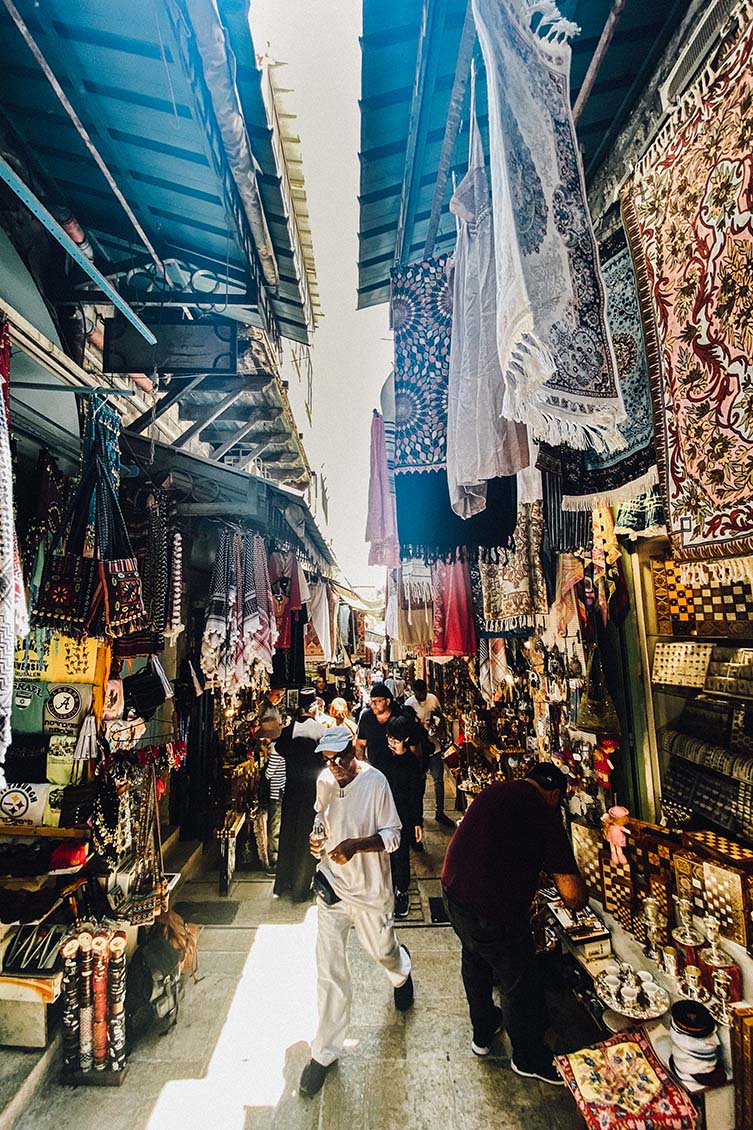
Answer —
130 69
390 46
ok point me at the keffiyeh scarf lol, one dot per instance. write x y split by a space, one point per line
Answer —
227 649
553 341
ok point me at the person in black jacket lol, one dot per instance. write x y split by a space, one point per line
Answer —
406 779
297 744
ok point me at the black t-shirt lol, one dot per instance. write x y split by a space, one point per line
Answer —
374 733
506 838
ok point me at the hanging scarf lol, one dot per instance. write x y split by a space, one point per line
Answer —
554 346
568 531
266 634
594 479
454 630
428 528
570 573
642 517
514 592
227 649
481 443
319 617
381 522
492 667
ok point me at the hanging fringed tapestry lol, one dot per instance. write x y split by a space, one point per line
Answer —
592 478
690 228
552 336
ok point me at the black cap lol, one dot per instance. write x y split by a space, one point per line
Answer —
548 776
306 698
692 1018
381 690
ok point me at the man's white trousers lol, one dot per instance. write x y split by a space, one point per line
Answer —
376 933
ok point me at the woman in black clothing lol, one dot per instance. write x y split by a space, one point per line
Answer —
406 779
297 744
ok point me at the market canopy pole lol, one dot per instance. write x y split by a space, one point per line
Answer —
598 58
452 127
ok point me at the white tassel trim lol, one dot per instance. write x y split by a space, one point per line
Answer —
725 572
626 493
633 535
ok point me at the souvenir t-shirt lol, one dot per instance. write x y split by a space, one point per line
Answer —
27 714
506 838
66 706
29 805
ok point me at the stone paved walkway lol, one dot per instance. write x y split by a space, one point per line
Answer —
234 1060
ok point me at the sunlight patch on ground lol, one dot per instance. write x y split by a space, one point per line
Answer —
274 1007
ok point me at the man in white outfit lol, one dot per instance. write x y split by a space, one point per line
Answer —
356 826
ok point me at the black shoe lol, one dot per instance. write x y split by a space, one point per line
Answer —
546 1072
444 820
401 904
418 847
404 993
481 1046
312 1078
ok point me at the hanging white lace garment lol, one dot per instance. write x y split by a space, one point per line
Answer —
554 346
481 443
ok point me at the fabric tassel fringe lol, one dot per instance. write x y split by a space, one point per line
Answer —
572 503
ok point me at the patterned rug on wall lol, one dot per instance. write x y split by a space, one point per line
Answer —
690 229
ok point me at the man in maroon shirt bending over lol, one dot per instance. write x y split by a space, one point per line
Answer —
510 833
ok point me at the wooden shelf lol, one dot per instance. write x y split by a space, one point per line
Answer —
42 830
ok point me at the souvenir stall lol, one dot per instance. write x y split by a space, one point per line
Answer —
272 613
565 527
91 600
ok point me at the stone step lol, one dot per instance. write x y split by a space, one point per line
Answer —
185 856
22 1074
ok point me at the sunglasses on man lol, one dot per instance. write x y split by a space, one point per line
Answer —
340 759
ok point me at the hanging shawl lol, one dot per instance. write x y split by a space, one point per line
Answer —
415 607
319 617
427 526
381 523
552 336
590 478
454 629
387 403
492 667
266 634
514 592
568 531
570 573
481 443
642 517
14 619
227 649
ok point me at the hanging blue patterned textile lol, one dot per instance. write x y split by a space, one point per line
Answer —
427 527
552 336
591 478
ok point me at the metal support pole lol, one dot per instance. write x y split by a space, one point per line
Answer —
35 206
598 58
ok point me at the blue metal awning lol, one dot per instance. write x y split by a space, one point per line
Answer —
133 73
410 51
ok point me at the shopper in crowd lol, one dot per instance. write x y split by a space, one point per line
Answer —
274 774
356 827
324 690
511 833
407 783
428 710
340 712
297 745
270 715
371 740
396 683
